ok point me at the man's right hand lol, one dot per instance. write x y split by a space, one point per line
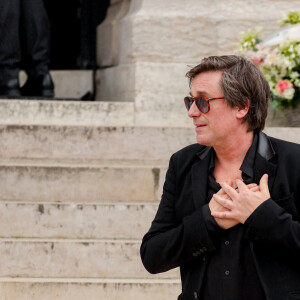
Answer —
214 206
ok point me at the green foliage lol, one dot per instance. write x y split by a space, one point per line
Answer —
292 17
249 40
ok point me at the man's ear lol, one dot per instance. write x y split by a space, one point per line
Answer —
242 112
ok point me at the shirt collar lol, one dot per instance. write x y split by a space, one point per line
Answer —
204 152
248 162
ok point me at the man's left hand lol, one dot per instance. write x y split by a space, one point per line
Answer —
243 201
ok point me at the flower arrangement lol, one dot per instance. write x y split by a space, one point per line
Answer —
279 59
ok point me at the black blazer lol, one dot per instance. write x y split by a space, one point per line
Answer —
178 235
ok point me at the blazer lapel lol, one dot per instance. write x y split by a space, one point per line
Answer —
263 161
200 178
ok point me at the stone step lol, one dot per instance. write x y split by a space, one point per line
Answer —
92 143
75 221
61 258
69 83
93 113
59 112
62 182
103 143
72 289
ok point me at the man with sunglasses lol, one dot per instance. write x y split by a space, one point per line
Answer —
229 213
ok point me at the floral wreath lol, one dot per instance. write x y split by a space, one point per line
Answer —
279 59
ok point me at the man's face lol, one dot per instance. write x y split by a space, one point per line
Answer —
214 127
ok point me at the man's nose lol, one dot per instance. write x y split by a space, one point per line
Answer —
194 111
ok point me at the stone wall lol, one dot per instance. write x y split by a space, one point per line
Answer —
147 46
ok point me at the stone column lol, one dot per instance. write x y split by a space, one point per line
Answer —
146 46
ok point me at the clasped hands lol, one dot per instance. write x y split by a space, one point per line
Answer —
232 206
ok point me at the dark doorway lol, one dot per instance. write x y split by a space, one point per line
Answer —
73 32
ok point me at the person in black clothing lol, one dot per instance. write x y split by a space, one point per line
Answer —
24 31
229 213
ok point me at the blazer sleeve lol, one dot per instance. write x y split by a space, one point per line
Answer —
271 225
168 244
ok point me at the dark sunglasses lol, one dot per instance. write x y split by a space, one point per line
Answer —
201 102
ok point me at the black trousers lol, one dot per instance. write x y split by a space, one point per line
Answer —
24 34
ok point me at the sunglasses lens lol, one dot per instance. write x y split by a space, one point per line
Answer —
200 102
202 105
188 103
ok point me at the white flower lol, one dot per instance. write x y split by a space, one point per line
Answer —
289 94
297 83
272 85
291 48
297 48
270 59
294 74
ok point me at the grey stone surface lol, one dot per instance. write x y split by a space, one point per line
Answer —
108 34
116 84
76 259
88 143
48 112
283 118
78 183
91 290
182 31
71 220
156 89
291 134
95 144
145 112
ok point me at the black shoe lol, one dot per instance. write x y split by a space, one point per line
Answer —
40 86
10 89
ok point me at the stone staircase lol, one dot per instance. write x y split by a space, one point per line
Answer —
77 195
75 203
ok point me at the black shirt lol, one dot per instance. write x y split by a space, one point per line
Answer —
231 273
